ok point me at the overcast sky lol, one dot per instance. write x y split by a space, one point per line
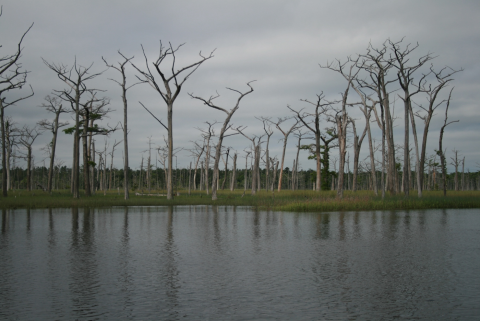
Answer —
280 44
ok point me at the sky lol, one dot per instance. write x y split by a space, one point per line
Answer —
279 44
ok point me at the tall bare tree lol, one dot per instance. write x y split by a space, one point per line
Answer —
12 77
256 142
226 125
349 70
11 138
54 105
92 110
455 162
27 138
432 92
269 132
405 74
377 63
123 85
169 88
314 127
75 78
197 152
440 151
115 144
286 133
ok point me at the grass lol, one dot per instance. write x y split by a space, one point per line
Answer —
295 201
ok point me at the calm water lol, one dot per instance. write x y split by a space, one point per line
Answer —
225 263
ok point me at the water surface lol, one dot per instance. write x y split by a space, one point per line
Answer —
226 263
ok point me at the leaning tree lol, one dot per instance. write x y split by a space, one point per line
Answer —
210 103
12 77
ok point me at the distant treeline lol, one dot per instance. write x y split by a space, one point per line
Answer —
183 178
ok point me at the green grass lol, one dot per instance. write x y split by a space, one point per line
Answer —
296 201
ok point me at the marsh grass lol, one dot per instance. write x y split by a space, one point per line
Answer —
296 201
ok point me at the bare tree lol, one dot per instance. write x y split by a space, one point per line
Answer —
225 127
12 77
226 168
269 132
341 116
357 144
246 171
300 135
207 135
75 78
314 127
377 64
256 142
432 94
285 133
367 111
123 85
11 135
94 109
197 151
27 138
440 151
169 88
234 173
405 74
115 144
53 104
455 162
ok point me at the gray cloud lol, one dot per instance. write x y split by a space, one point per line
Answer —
278 43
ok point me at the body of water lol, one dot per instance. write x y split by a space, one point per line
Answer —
227 263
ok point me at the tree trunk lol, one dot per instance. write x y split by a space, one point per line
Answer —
234 172
4 153
170 151
280 176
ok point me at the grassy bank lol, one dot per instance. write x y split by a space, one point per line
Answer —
298 201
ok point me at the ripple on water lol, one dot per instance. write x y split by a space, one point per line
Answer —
230 263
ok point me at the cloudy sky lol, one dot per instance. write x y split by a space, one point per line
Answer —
280 44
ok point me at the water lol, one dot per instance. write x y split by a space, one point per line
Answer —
226 263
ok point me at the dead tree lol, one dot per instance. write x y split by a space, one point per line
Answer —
314 127
275 163
123 85
245 176
53 104
285 133
12 77
197 152
256 142
440 151
115 144
226 126
226 168
367 111
27 138
234 173
300 135
378 64
169 88
92 110
11 135
269 132
75 78
405 74
357 144
455 162
207 135
341 117
432 94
